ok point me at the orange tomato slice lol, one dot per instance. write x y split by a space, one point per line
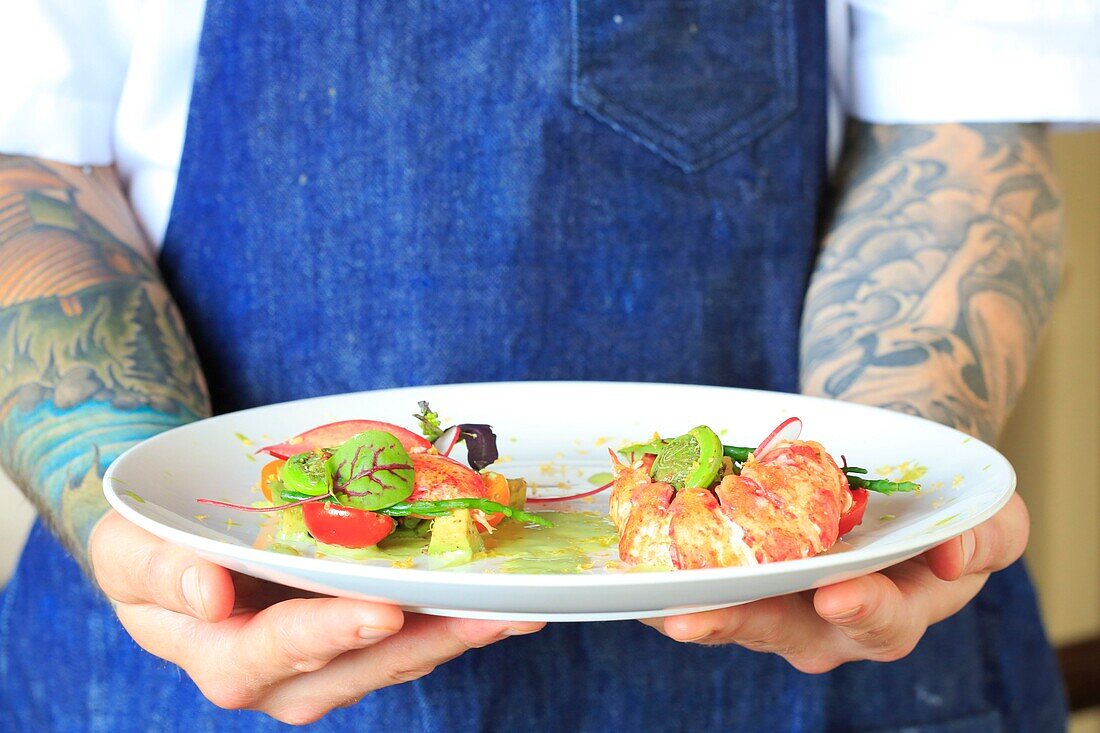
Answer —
497 487
270 473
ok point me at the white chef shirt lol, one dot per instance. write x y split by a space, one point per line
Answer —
110 81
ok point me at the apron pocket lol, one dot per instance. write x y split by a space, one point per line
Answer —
693 81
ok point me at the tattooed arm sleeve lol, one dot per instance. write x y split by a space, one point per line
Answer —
937 272
93 355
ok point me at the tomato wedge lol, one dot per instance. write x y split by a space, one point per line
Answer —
497 487
270 473
335 524
334 434
854 516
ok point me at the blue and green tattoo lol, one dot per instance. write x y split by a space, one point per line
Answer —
93 355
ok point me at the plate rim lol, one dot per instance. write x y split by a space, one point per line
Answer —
348 569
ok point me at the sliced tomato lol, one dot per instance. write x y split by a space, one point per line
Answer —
333 434
497 487
854 516
270 473
340 525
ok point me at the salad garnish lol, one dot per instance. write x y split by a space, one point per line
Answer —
429 422
353 483
480 440
372 470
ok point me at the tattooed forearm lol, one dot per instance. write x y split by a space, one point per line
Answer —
938 272
93 355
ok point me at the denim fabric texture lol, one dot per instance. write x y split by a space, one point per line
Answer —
377 194
690 81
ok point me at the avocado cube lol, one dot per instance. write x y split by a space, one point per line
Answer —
455 540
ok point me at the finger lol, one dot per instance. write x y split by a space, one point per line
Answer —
884 615
133 566
159 631
255 594
993 545
939 598
785 625
875 617
423 644
691 627
238 661
948 561
303 635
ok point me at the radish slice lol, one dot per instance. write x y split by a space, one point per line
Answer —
446 443
333 434
569 497
789 429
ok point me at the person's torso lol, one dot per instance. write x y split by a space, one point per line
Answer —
384 194
388 193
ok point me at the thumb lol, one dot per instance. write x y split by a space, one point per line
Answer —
133 566
993 545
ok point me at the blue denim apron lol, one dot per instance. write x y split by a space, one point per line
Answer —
376 194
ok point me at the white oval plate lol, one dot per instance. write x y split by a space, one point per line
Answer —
560 431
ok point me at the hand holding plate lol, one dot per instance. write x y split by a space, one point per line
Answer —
878 617
251 644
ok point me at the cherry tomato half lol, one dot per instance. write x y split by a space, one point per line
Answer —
340 525
854 516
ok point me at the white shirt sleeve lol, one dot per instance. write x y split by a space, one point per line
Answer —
972 60
62 69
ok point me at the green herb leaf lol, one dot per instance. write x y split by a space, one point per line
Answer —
881 485
653 447
371 471
692 459
429 422
308 473
736 452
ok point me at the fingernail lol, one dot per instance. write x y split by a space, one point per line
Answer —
846 615
707 631
371 633
968 542
519 630
192 592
